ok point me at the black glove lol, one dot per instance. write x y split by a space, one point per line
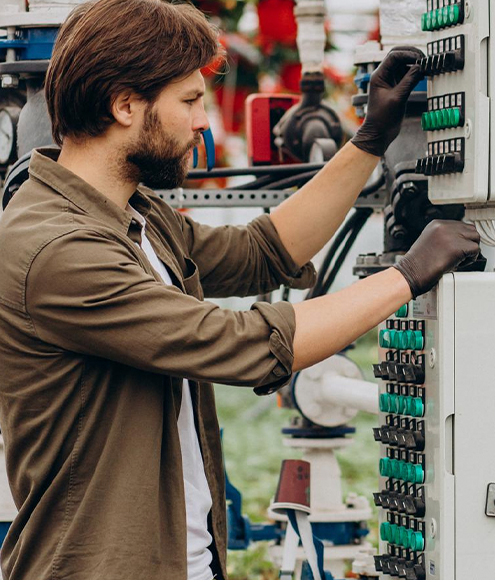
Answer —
390 86
442 246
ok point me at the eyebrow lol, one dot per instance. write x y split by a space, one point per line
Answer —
194 93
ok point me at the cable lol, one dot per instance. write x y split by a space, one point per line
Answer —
253 171
362 219
291 181
336 243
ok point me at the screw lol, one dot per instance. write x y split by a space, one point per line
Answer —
432 358
467 129
10 82
409 189
467 9
433 528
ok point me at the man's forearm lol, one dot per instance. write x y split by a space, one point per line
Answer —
326 325
309 218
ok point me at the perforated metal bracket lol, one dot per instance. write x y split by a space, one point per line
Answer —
198 198
226 198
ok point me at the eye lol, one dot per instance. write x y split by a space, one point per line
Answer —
191 101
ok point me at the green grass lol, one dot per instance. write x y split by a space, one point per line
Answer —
254 450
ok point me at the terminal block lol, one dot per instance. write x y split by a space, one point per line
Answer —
443 17
444 56
432 480
402 434
444 157
458 67
444 112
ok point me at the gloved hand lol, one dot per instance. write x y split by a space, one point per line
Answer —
442 246
390 86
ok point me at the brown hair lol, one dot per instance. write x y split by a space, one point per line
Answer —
108 46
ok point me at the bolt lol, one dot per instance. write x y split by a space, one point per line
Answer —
409 189
10 81
467 129
398 232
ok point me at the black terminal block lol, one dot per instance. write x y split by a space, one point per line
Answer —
444 157
446 55
414 506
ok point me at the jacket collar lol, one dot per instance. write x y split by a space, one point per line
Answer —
44 167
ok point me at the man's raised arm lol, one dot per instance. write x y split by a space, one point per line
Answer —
309 218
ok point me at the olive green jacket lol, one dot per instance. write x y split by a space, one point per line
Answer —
93 349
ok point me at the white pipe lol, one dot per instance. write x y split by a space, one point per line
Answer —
350 393
310 18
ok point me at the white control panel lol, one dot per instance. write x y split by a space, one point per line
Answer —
459 106
436 430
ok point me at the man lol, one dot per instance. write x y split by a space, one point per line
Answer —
107 347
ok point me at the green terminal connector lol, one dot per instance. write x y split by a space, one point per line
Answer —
417 407
384 338
408 404
417 542
402 311
446 16
393 403
446 118
415 473
395 468
385 527
454 14
402 405
388 338
405 471
393 530
385 467
396 339
404 340
454 117
439 119
397 535
405 538
384 402
433 20
442 119
415 340
440 18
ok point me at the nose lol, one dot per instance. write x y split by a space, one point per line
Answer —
200 121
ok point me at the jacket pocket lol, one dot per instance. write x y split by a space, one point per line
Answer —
191 279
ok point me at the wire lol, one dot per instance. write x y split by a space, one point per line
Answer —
254 171
291 181
362 219
336 243
346 235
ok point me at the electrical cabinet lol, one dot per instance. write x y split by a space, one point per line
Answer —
457 120
436 431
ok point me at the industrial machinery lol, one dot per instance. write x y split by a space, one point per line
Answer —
436 366
435 369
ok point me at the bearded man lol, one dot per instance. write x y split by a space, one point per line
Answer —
107 346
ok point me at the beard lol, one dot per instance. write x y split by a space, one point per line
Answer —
156 159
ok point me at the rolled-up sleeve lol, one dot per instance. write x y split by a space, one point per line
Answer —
89 294
243 260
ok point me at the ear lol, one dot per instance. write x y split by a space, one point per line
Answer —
126 108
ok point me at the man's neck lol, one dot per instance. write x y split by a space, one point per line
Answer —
99 166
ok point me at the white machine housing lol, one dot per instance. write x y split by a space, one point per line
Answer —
459 453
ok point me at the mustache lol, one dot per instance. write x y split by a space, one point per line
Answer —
196 141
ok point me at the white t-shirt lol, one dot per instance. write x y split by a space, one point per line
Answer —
197 495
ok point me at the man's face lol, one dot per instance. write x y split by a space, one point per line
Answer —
160 156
